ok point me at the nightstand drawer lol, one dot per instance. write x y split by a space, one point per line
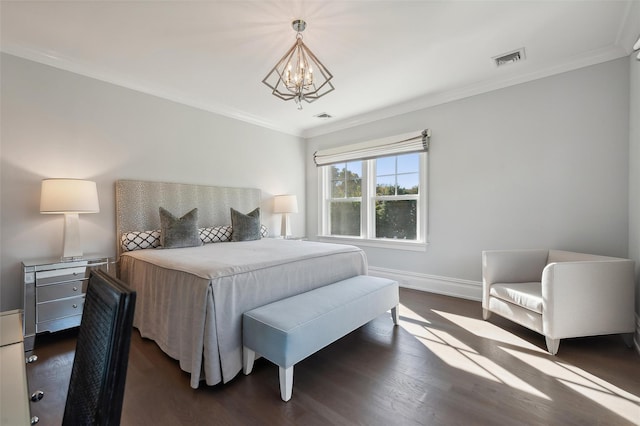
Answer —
60 291
58 324
60 308
60 275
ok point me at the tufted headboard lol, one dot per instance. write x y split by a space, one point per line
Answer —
137 204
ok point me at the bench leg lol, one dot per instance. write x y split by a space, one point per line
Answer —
248 357
286 383
395 314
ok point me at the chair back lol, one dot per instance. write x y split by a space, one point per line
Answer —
96 388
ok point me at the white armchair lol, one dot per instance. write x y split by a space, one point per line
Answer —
560 294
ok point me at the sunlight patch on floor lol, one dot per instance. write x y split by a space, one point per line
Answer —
459 355
613 398
453 356
409 314
488 330
599 391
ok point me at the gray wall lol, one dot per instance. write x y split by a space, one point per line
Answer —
60 124
634 173
542 164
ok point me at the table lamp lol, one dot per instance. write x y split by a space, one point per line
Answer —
70 197
285 204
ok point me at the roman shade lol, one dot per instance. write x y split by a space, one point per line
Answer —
417 141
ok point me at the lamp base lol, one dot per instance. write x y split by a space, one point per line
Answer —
285 226
71 247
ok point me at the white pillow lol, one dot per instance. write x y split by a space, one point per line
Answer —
215 234
130 241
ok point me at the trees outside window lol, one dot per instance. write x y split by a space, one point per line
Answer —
374 199
346 198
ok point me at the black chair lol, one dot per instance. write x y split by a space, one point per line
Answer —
96 389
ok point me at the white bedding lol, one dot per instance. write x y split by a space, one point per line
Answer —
191 300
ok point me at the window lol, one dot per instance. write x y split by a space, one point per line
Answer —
345 200
382 199
396 198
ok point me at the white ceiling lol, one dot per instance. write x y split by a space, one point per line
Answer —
387 57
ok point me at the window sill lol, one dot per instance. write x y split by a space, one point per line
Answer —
387 244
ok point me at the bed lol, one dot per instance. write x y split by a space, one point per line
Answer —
190 300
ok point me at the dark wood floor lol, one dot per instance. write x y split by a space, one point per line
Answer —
442 366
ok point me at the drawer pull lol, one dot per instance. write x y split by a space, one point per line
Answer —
37 396
32 359
34 420
75 305
75 288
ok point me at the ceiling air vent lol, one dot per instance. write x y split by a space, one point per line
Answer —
323 116
509 58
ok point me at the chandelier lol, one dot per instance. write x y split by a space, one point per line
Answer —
299 75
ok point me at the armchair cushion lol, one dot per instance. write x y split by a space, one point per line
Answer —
527 295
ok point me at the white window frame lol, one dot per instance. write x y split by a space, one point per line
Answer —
367 210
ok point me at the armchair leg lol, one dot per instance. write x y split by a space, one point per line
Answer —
628 339
486 314
552 345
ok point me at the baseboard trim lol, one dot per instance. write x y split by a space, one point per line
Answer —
456 287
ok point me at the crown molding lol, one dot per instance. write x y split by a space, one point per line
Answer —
590 58
76 67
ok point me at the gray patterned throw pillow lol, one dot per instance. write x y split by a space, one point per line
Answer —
179 232
245 227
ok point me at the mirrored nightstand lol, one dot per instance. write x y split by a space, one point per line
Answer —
54 293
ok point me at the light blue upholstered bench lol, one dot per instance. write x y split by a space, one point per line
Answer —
287 331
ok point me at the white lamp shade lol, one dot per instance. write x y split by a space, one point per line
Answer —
68 196
285 204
